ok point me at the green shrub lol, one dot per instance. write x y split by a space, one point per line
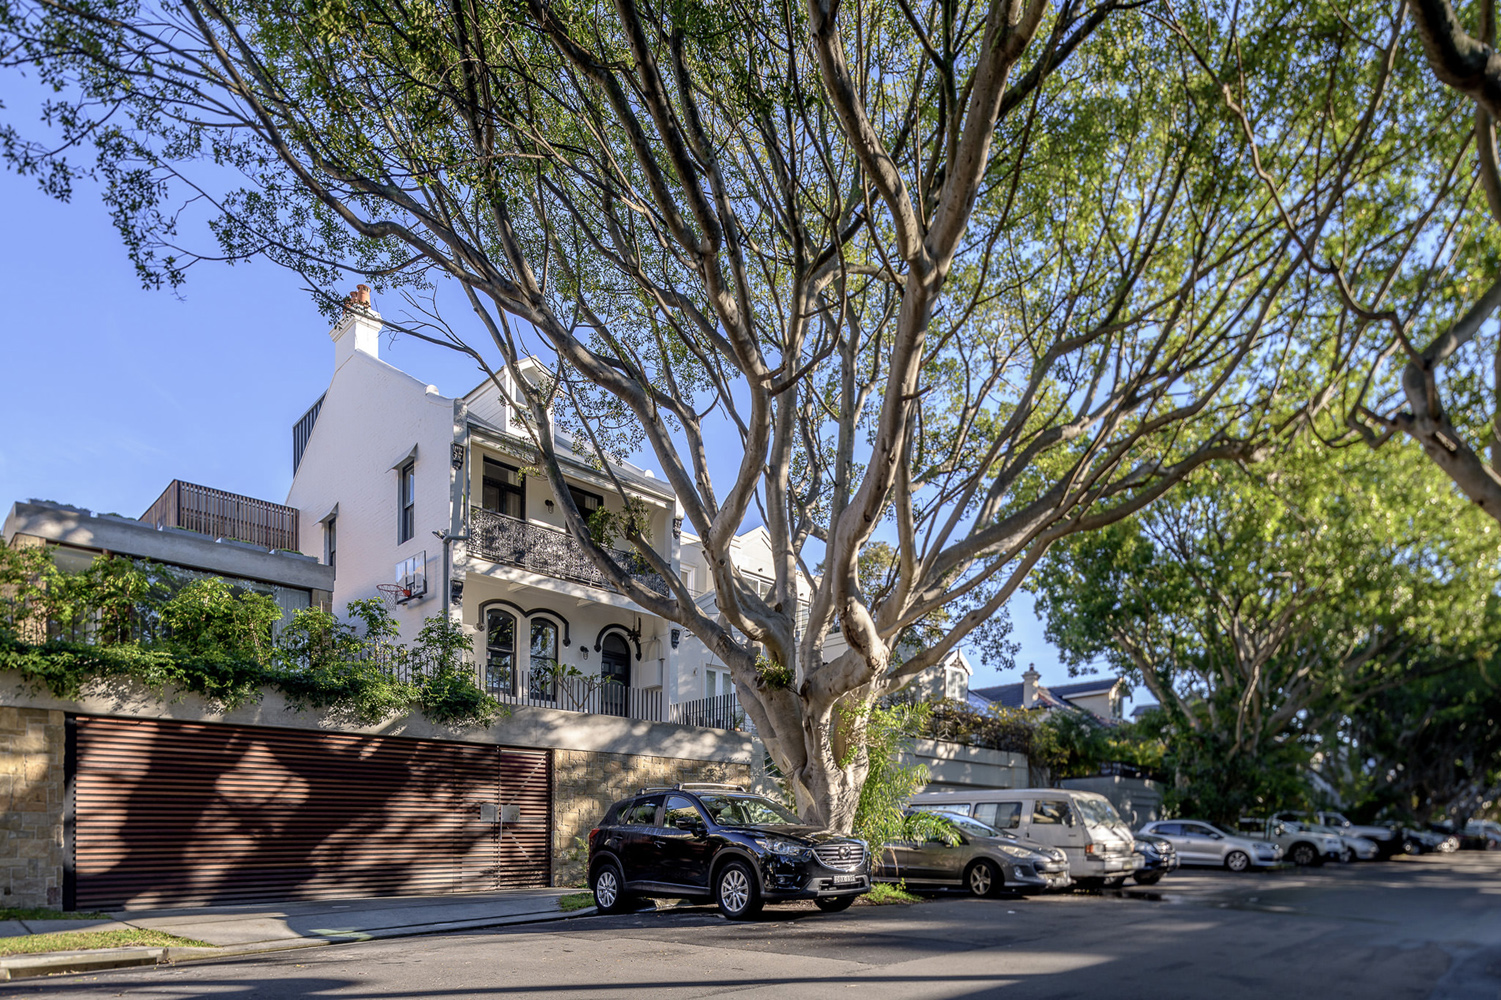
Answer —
124 619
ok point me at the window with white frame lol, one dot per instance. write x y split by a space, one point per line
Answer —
406 502
717 682
953 684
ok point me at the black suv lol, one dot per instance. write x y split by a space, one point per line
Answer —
719 842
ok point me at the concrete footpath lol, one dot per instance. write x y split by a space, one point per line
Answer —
249 930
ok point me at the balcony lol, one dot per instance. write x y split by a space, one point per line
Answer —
511 541
545 689
224 515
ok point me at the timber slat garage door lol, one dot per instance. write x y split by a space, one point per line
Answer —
172 813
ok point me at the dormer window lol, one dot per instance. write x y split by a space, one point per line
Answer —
954 684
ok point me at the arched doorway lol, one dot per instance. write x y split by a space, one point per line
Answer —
615 671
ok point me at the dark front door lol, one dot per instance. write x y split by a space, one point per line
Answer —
615 671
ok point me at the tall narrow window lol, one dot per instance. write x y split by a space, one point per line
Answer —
500 652
503 489
406 503
543 684
331 542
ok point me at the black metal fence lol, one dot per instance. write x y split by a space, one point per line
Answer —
720 712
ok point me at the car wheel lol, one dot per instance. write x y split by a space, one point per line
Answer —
1148 878
1347 855
609 889
736 892
1237 861
1410 846
1303 855
983 879
834 904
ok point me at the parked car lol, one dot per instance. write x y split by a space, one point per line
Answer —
1481 835
1201 843
1158 857
1386 838
981 859
1355 848
1302 843
721 843
1084 825
1415 841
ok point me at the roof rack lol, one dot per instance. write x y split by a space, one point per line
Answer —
693 786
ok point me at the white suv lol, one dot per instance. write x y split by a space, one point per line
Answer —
1301 843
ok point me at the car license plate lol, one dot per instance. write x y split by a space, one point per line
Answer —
846 879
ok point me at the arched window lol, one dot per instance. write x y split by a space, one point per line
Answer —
500 652
544 670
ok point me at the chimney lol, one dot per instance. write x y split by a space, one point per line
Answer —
1029 686
358 329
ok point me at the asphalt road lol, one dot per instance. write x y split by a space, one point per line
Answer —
1424 927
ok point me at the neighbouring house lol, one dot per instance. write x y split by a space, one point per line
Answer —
1103 697
192 530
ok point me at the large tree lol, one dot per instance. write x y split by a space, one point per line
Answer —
1415 309
1264 607
960 276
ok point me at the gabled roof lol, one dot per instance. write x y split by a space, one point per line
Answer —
1100 685
1010 696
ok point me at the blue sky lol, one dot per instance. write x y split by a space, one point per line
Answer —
114 391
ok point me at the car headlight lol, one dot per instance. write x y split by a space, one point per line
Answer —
786 848
1016 852
1162 846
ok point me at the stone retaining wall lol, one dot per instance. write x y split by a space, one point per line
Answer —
32 743
586 783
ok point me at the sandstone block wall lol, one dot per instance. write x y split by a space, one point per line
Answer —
586 783
32 783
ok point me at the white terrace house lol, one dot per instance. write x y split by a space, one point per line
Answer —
400 485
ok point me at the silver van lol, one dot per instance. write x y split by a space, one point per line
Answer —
1098 844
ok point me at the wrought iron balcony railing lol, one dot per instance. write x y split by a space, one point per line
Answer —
546 551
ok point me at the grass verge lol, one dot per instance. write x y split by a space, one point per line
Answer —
575 901
131 937
889 894
42 913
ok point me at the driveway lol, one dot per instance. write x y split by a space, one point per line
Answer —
1410 928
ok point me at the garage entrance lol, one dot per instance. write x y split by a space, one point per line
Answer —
167 813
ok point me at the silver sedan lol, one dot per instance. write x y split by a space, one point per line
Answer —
984 860
1201 843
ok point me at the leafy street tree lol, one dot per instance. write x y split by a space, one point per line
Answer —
960 277
1262 606
1414 309
1426 749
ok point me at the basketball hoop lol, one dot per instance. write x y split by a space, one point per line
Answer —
394 593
